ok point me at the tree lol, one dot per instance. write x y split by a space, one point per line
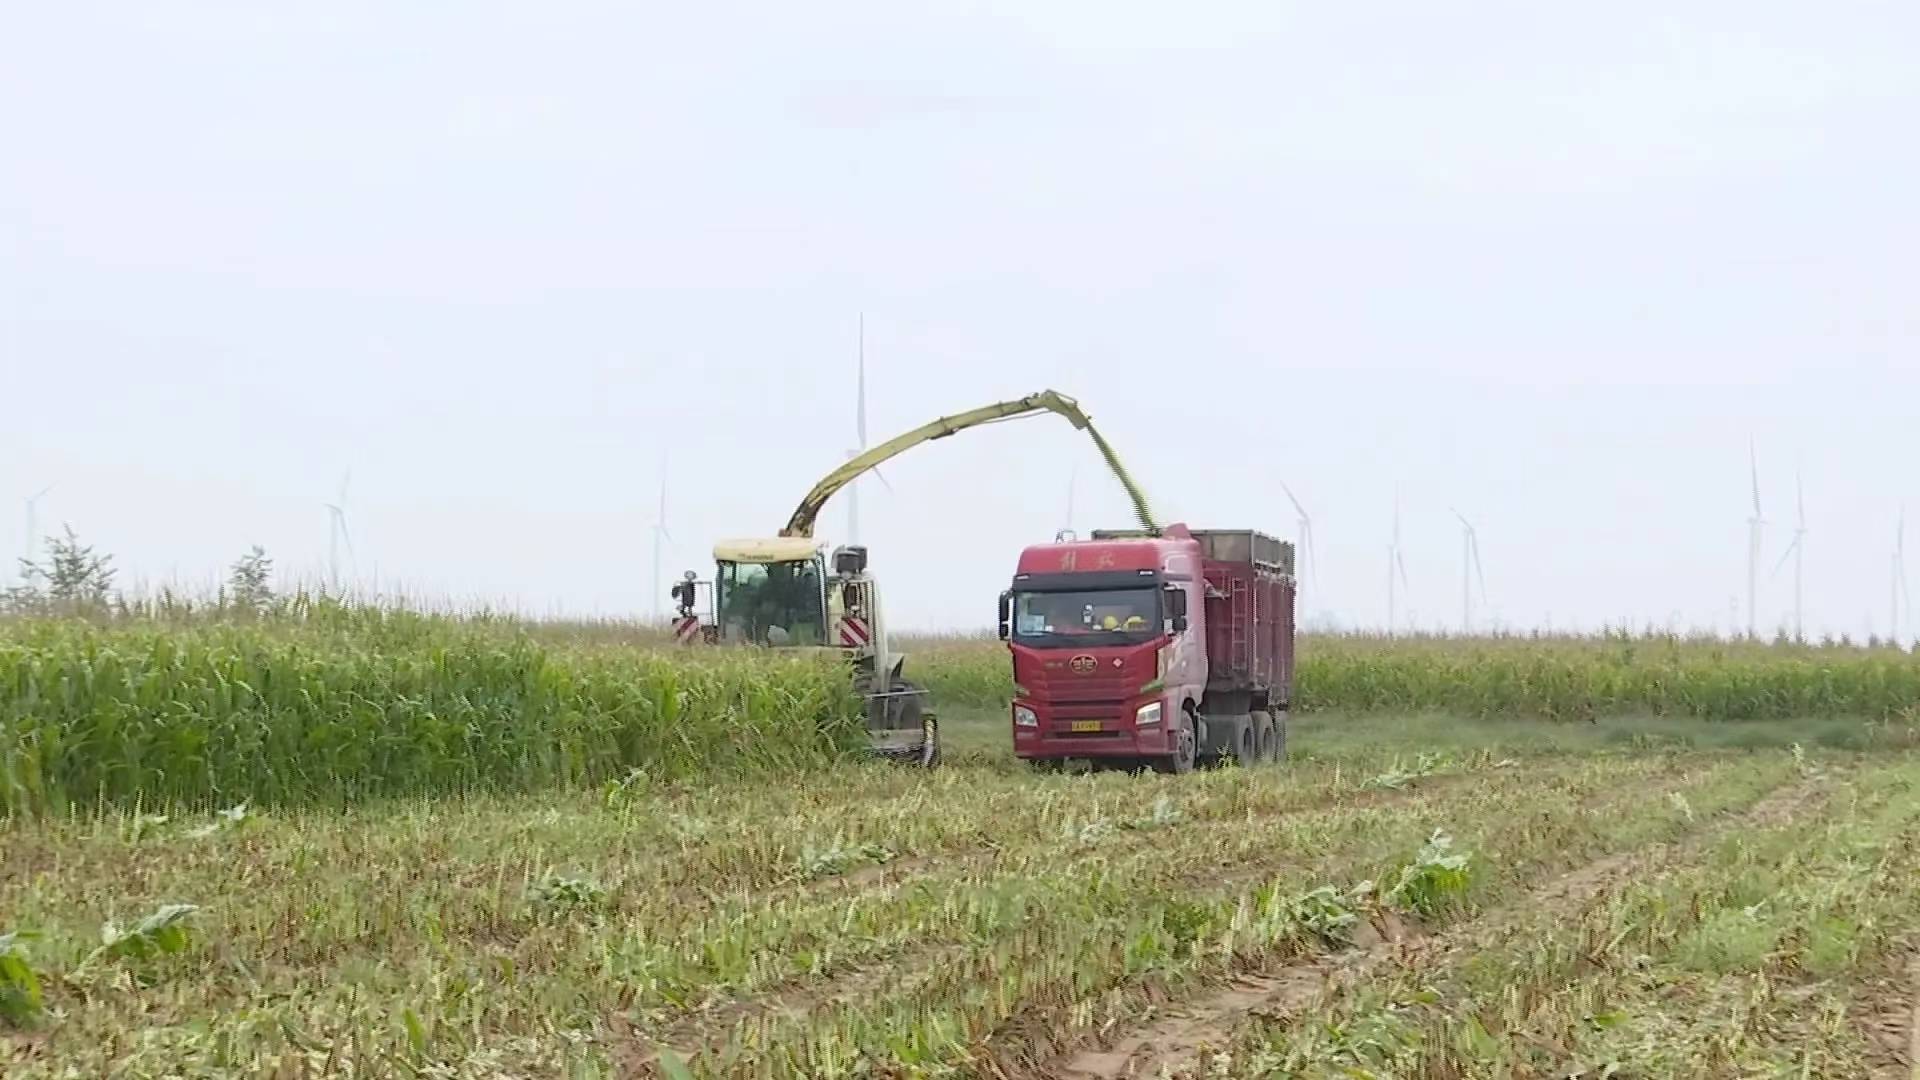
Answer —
249 583
71 577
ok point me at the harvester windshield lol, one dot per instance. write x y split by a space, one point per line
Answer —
772 603
1086 617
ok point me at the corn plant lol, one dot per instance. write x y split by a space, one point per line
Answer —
20 998
1435 879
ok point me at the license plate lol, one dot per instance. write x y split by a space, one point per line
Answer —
1086 725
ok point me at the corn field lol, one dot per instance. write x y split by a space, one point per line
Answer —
1556 678
339 705
316 702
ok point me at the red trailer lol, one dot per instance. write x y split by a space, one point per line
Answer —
1166 650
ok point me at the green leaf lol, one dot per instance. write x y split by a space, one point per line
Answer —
671 1064
416 1031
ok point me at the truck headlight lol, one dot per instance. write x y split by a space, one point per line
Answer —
1023 717
1147 715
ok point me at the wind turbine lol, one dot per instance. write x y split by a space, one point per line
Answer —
1469 561
1395 564
1902 599
337 533
1306 534
1754 525
1796 551
1066 526
860 430
33 523
660 533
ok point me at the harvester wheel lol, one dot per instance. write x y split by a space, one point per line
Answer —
909 715
929 741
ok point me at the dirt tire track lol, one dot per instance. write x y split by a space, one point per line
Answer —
1173 1046
1887 1015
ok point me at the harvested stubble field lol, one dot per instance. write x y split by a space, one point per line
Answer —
1475 892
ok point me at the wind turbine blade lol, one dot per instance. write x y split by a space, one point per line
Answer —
1401 564
663 532
1297 508
1785 555
1473 545
1313 559
1799 502
1753 463
882 477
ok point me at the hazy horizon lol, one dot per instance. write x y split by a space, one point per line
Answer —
1555 269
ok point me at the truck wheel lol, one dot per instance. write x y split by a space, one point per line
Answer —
1047 764
1279 737
1264 736
1181 760
1246 743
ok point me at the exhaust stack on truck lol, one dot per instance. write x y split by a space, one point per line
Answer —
1165 649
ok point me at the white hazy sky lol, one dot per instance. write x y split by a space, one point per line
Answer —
1553 267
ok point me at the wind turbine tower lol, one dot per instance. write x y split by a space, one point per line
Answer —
1796 551
337 534
1470 570
1395 565
1066 525
660 537
1902 599
33 522
860 431
1305 527
1754 525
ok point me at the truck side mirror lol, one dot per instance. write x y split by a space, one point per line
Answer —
1177 608
1006 613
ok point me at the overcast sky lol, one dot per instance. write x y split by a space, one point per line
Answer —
1553 267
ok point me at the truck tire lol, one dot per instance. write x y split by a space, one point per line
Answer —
1180 762
1279 751
1047 765
1246 742
1264 737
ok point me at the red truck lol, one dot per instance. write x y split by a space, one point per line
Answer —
1166 650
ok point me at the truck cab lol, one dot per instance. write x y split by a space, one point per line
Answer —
1164 650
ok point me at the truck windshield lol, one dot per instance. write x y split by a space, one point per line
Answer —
1074 619
771 603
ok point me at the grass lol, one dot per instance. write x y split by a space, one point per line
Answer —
934 921
1753 954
